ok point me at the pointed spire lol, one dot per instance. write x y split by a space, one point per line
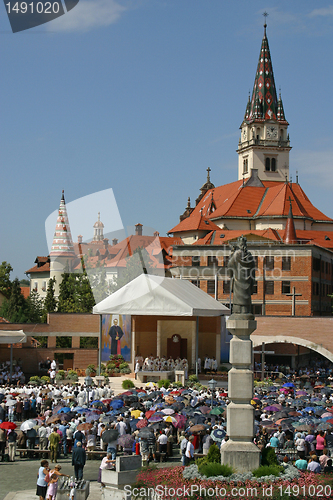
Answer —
290 231
280 111
62 244
248 109
264 85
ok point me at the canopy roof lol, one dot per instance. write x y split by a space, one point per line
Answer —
12 336
149 295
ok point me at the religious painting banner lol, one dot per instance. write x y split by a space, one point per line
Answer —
116 336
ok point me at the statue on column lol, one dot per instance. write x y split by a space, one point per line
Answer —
241 269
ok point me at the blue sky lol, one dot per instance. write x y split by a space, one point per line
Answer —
141 96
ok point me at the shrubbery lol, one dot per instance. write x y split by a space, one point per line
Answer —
215 469
268 470
127 384
268 457
35 380
163 383
45 379
72 375
60 375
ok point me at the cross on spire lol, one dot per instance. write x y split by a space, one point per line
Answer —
208 174
265 25
290 200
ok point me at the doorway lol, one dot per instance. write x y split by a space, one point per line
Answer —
176 347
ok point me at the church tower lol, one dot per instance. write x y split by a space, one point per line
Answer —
264 143
62 253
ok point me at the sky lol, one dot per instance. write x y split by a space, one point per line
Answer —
141 96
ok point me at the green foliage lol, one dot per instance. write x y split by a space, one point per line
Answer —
34 308
123 365
75 294
50 302
215 469
60 375
45 379
35 379
91 369
177 384
116 370
163 383
214 454
268 457
127 384
126 371
72 375
88 342
98 281
5 283
111 366
268 470
223 368
64 342
193 378
14 309
116 357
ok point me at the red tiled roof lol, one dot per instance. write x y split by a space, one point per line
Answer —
41 269
195 222
222 236
25 291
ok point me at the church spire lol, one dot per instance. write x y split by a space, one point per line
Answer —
280 111
290 231
62 244
264 90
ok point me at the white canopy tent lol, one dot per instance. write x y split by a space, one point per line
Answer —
12 337
151 295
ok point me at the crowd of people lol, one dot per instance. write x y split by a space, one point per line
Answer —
18 376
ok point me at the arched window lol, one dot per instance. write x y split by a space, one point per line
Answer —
267 164
245 166
273 164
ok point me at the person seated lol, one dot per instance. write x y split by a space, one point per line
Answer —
314 465
301 463
328 467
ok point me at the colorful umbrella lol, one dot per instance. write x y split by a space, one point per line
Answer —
116 404
204 410
217 410
8 425
168 411
126 441
142 423
84 427
29 424
198 428
155 418
218 435
136 413
169 418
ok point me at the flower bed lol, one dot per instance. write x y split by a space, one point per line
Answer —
176 484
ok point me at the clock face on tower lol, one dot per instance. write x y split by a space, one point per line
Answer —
271 132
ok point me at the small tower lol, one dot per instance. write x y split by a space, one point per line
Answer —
205 187
98 229
62 253
290 231
264 143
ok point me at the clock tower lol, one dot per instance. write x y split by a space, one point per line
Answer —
264 142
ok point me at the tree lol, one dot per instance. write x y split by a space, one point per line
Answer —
5 283
75 294
14 309
98 282
50 302
34 308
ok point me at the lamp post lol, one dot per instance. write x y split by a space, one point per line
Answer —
212 384
88 381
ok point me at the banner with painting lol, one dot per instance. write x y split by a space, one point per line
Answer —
116 336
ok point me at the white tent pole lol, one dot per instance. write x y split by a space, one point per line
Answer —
100 346
11 361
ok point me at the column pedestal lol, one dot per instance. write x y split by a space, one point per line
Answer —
240 452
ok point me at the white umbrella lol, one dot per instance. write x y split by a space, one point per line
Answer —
11 402
27 425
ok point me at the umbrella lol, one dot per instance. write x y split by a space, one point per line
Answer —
310 408
198 428
133 423
181 421
64 410
149 413
11 402
272 408
205 409
69 397
155 418
135 413
84 427
301 393
169 418
28 424
126 441
151 385
168 411
217 410
218 435
288 384
110 435
142 423
8 425
321 427
223 394
116 404
146 432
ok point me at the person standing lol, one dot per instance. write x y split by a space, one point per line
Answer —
41 483
42 435
11 438
3 439
183 446
78 460
54 440
189 453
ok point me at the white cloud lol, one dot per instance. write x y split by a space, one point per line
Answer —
88 14
324 11
315 166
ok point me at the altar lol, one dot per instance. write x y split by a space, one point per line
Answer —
154 376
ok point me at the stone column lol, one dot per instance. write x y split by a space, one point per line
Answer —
240 452
158 338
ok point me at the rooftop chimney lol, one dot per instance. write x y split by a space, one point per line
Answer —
79 238
138 229
114 241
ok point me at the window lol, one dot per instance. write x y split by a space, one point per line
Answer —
245 166
286 263
211 287
257 309
212 260
269 263
226 287
196 283
44 286
35 286
285 287
316 264
315 288
225 261
255 287
269 287
196 260
273 164
267 164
